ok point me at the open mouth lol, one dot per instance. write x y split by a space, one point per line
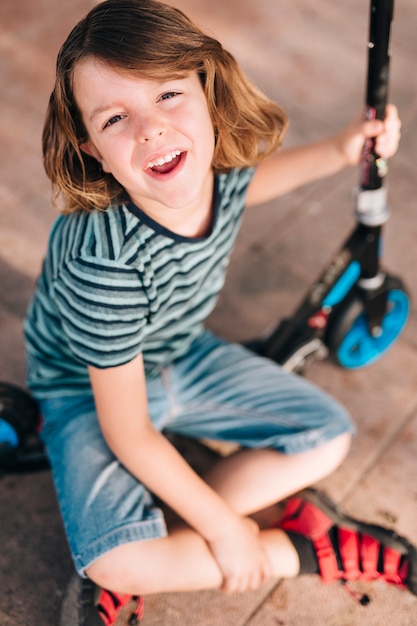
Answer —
167 163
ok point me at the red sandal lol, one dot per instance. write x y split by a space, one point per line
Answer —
100 607
348 549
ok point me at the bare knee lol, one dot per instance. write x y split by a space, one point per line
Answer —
119 570
333 453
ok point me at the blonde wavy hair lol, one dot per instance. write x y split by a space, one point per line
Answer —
147 38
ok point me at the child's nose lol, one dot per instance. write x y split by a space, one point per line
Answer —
150 127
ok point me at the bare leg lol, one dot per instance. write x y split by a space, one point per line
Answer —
253 479
180 562
249 481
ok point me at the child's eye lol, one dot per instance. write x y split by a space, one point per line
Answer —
113 120
169 94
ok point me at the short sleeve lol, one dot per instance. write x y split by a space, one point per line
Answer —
103 309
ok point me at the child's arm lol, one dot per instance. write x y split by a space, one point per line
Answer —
120 397
288 169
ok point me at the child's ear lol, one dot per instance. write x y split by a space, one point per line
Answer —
91 150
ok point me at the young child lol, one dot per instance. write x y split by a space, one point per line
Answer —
156 142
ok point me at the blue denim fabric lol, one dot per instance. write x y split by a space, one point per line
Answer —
218 391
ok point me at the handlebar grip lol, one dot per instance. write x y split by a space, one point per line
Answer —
372 168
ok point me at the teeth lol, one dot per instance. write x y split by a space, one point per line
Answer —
165 159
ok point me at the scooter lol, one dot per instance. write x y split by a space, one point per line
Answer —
355 310
352 313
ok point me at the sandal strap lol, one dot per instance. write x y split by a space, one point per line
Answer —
349 549
109 605
395 569
326 557
370 549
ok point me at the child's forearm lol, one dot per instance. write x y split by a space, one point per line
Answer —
300 166
295 167
156 463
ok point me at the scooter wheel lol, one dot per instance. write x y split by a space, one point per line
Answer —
18 414
349 341
20 446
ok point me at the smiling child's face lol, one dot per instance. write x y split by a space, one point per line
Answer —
154 136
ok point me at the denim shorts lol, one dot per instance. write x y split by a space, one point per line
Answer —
219 391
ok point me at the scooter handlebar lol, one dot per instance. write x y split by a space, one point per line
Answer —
372 168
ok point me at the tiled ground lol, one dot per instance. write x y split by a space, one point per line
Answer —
310 56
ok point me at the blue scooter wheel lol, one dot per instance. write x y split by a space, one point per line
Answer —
355 347
20 445
9 437
19 414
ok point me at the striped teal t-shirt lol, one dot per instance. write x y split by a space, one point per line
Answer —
115 283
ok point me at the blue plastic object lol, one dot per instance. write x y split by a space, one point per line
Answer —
359 348
8 435
343 285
